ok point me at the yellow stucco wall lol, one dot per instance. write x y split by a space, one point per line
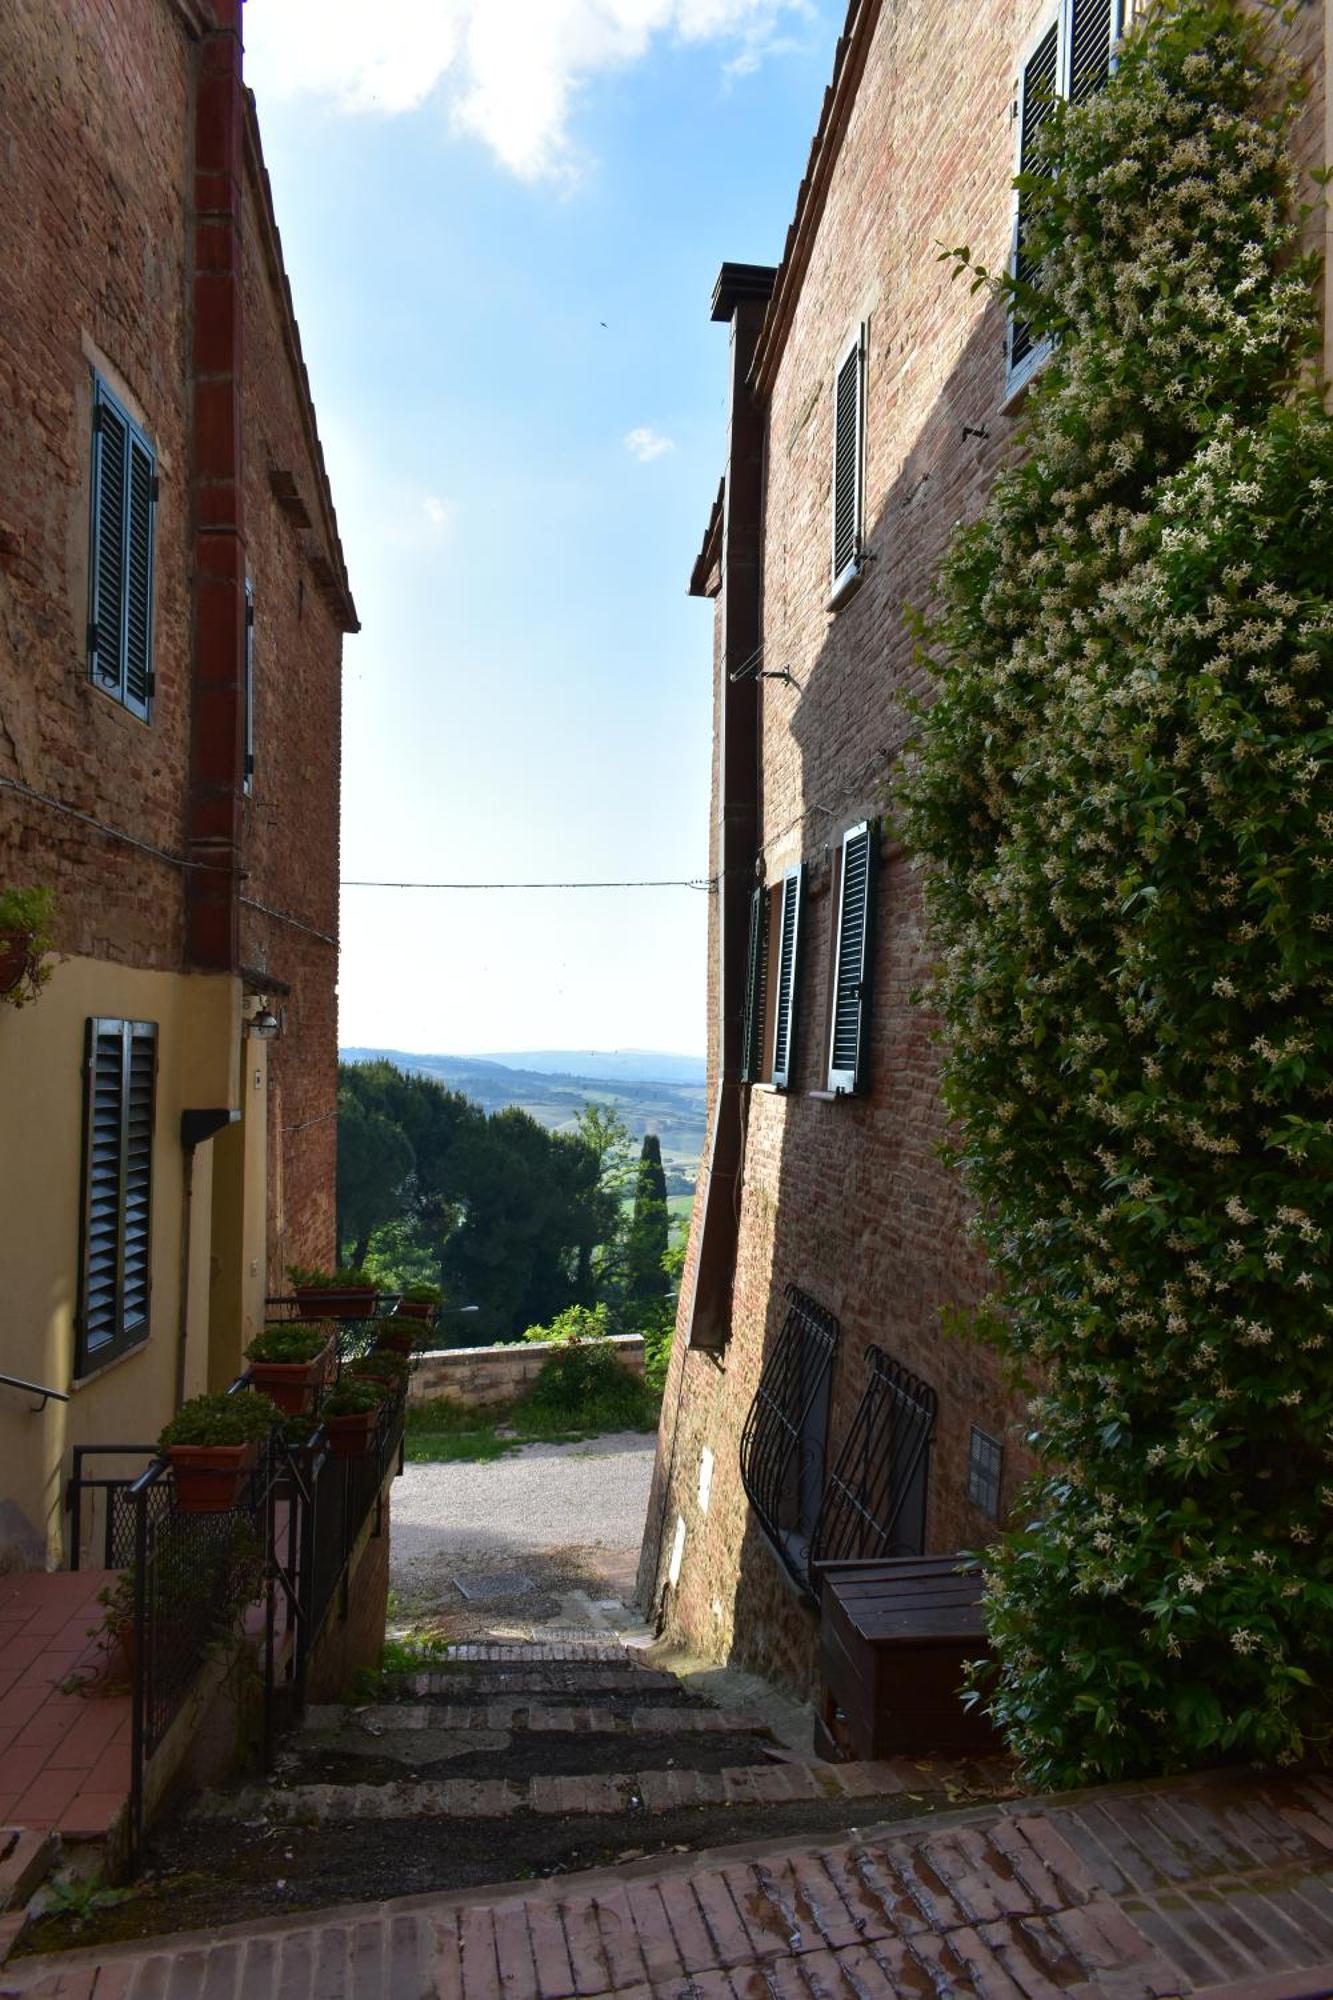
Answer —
41 1140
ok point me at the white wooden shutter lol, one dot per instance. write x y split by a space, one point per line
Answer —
851 972
789 939
848 454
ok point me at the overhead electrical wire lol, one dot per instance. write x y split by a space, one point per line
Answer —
692 882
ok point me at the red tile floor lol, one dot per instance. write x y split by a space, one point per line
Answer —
64 1757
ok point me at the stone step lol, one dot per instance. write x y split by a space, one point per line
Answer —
532 1652
501 1680
658 1791
508 1715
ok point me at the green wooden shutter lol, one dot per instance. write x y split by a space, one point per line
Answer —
121 1074
789 942
1038 89
124 526
756 981
848 425
851 975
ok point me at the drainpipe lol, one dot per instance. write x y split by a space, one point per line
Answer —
739 299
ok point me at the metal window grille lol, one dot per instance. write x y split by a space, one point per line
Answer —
783 1443
984 1460
875 1504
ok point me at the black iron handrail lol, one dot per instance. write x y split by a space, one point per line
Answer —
35 1389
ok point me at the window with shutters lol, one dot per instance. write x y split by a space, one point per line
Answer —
848 463
248 783
772 976
124 513
1071 58
853 940
119 1109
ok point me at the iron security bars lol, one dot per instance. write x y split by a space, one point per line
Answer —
783 1443
875 1505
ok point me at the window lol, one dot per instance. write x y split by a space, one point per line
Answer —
984 1460
853 939
248 782
782 1445
848 463
119 1107
1072 59
124 495
876 1500
772 974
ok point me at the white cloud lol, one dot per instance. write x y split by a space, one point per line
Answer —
440 514
646 444
509 73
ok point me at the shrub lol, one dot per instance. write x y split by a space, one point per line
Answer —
291 1340
584 1387
353 1396
1121 795
575 1325
221 1420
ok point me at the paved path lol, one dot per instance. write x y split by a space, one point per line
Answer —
1210 1886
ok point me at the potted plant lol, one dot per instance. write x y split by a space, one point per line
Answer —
419 1302
351 1412
213 1444
398 1335
25 940
289 1361
347 1293
384 1367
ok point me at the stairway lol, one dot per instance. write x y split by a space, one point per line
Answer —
507 1762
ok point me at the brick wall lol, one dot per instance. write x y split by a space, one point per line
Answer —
847 1198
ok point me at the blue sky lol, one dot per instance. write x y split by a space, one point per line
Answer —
466 191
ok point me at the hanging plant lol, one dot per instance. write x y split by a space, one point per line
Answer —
25 941
1121 797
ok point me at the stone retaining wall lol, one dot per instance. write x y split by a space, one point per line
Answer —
479 1376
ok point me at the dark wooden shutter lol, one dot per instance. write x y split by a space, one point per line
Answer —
789 939
1093 26
1037 92
106 635
118 1174
756 982
847 418
124 523
249 687
851 977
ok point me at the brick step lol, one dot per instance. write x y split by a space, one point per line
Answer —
610 1793
555 1679
510 1715
534 1652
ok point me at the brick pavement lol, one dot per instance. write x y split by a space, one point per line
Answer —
64 1756
1220 1884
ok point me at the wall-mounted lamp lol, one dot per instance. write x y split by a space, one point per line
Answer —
263 1023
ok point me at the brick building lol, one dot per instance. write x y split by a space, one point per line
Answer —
817 1403
172 605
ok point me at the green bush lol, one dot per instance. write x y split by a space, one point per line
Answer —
585 1388
291 1341
573 1325
1121 795
221 1420
352 1397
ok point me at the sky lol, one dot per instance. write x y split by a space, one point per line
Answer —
502 224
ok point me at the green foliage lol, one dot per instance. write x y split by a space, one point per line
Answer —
28 913
352 1396
290 1340
1121 796
585 1388
649 1230
221 1420
381 1366
375 1165
347 1278
422 1294
569 1328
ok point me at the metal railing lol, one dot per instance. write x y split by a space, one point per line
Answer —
275 1560
782 1444
34 1389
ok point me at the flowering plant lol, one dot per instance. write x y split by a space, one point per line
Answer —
1120 795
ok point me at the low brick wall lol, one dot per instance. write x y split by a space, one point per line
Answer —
477 1377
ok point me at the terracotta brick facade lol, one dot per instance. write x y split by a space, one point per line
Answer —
846 1196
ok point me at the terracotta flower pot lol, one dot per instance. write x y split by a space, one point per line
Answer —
352 1436
414 1309
15 953
391 1339
210 1477
357 1303
291 1384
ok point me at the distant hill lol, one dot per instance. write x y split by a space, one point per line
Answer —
674 1110
617 1065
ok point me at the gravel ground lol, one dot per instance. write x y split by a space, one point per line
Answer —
567 1517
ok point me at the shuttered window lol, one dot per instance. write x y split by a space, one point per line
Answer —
121 1088
756 988
1072 59
249 780
848 455
852 962
788 967
124 511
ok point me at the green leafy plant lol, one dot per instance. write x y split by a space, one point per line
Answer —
291 1341
585 1389
25 929
1120 795
221 1420
422 1295
347 1278
574 1327
382 1366
352 1397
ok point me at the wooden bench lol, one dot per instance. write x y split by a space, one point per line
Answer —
894 1636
